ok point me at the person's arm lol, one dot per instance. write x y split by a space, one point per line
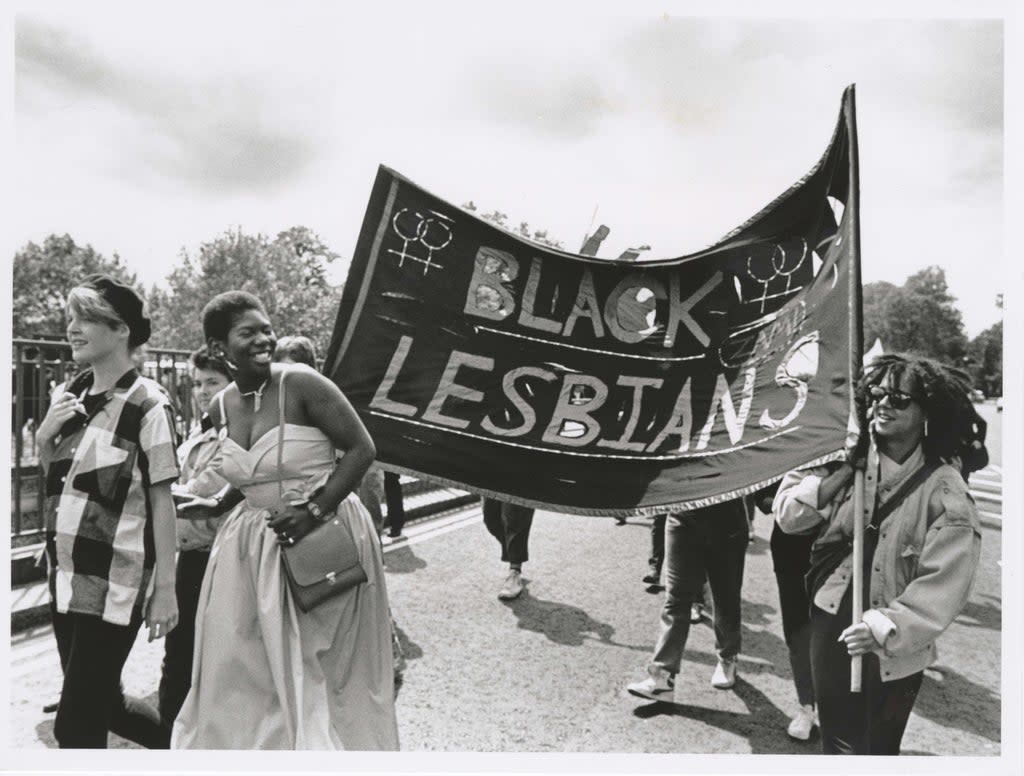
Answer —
162 608
945 572
804 498
159 466
328 409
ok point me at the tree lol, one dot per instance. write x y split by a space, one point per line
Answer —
500 219
43 276
920 316
288 274
986 360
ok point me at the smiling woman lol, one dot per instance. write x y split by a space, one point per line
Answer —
921 548
317 679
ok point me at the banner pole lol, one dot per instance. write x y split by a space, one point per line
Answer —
856 366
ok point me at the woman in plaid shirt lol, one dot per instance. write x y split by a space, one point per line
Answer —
108 451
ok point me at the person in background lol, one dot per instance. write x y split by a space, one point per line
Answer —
196 457
707 543
654 565
922 542
510 525
295 349
106 448
791 559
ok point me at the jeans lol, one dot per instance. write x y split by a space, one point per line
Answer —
871 721
710 541
176 674
92 655
657 559
791 555
510 525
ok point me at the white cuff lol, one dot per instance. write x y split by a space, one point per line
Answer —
881 626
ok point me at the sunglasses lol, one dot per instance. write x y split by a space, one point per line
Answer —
898 400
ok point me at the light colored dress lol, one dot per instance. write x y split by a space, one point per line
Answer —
266 675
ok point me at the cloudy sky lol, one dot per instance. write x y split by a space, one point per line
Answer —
145 132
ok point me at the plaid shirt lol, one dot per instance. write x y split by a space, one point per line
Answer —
97 511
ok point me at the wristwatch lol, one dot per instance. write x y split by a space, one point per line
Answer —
315 511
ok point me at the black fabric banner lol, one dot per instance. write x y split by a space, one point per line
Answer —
590 386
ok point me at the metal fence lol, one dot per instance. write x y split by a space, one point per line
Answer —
38 367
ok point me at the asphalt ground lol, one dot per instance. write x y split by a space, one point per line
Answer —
547 672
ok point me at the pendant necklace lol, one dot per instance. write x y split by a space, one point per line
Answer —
257 394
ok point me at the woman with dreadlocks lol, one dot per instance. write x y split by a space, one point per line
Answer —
922 542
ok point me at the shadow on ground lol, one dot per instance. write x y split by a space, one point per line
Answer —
563 623
403 561
952 700
763 726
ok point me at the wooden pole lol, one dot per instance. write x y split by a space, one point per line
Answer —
856 365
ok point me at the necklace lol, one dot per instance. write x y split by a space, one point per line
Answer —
257 394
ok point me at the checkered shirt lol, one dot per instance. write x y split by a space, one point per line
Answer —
97 513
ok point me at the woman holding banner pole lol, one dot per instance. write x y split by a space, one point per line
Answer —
922 542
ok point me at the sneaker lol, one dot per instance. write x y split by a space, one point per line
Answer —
725 675
513 586
801 725
696 613
653 578
388 540
659 686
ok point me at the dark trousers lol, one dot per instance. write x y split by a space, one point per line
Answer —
791 559
710 542
92 655
657 558
869 722
396 506
510 525
176 675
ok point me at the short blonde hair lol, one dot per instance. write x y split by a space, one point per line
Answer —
87 304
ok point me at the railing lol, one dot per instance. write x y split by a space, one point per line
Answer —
38 367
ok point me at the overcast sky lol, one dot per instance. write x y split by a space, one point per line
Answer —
145 131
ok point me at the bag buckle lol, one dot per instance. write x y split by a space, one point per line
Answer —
332 577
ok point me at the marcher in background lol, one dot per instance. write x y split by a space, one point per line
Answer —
510 525
657 560
107 446
922 543
378 484
267 675
791 558
708 543
295 349
197 458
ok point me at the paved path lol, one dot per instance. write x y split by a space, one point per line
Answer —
546 673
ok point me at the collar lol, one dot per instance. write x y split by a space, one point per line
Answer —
891 472
85 381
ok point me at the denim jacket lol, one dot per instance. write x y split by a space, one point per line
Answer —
924 564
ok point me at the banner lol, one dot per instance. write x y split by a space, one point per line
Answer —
480 359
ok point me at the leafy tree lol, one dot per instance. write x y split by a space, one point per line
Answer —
919 316
500 220
43 275
287 273
986 360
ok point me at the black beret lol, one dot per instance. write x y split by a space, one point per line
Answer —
126 303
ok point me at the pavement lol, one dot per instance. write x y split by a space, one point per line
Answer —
547 672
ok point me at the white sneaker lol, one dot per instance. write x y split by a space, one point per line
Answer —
513 586
801 725
658 686
724 676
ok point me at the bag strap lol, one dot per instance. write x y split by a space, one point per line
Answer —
280 433
909 485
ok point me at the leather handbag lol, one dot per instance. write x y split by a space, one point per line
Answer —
325 562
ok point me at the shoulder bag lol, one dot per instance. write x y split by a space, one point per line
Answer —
325 562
